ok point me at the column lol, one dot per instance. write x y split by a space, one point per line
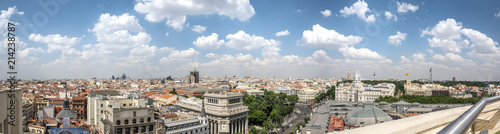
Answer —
238 128
236 124
246 124
211 126
230 127
241 125
216 127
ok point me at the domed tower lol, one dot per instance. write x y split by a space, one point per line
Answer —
66 114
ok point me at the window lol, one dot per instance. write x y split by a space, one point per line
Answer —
119 130
124 104
130 104
126 121
150 127
134 113
102 105
136 129
149 119
118 122
141 120
134 121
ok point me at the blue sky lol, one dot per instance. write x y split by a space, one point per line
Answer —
317 39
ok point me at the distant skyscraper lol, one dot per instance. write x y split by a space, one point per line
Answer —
349 75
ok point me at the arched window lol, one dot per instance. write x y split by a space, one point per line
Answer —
141 120
149 119
134 121
125 122
118 122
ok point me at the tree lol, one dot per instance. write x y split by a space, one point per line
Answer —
173 91
276 117
199 96
257 116
307 119
253 130
268 125
185 96
269 107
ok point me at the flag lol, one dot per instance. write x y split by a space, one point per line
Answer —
407 74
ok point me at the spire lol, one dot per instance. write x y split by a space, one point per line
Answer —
202 113
66 101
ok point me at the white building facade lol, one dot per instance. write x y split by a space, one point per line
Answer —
359 92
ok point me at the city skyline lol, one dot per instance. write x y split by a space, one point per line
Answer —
264 39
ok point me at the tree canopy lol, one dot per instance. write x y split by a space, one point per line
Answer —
269 110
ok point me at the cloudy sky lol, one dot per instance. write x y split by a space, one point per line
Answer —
285 38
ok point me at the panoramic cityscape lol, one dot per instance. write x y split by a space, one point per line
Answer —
249 67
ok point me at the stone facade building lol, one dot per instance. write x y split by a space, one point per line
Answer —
225 110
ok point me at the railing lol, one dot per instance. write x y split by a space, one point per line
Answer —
465 121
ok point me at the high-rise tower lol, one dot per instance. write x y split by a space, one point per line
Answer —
196 75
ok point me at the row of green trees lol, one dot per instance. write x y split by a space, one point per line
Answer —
330 93
268 110
435 99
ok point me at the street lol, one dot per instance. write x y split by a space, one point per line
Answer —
304 112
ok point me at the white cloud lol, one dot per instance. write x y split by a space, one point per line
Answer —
359 8
446 35
225 60
5 18
55 41
326 13
166 34
389 15
445 29
243 41
448 45
29 55
480 42
110 23
396 39
180 56
113 33
497 14
439 57
175 11
199 29
405 7
362 53
282 33
209 42
404 59
321 37
455 58
299 10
